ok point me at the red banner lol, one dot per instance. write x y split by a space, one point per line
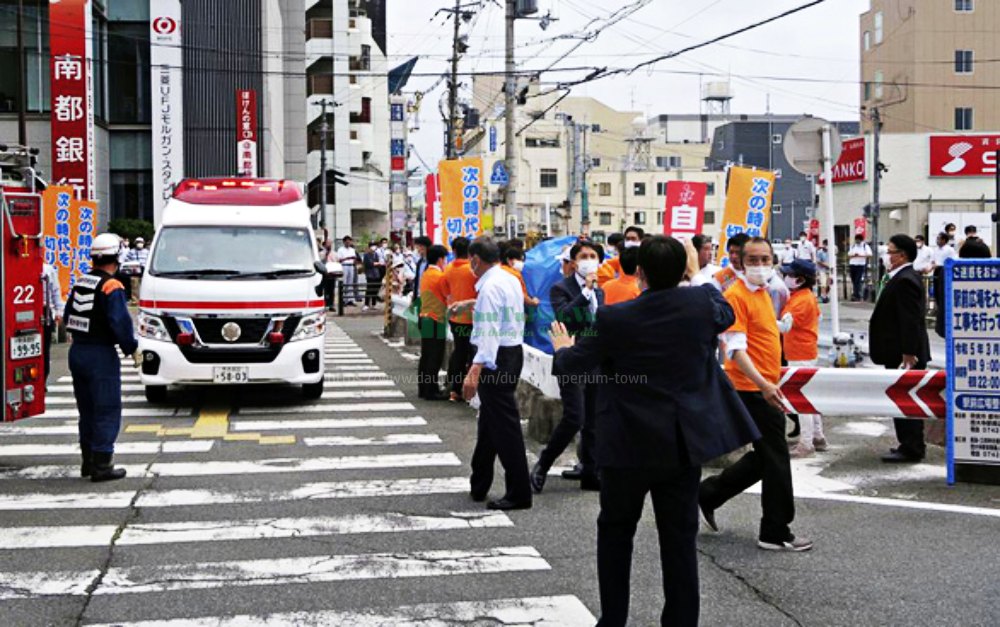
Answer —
432 212
685 209
851 166
963 155
72 119
814 228
246 132
861 227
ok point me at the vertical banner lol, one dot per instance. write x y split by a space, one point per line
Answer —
70 227
432 208
72 91
748 206
861 227
813 231
246 132
972 349
166 60
685 209
462 196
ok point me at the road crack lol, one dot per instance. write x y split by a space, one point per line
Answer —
757 592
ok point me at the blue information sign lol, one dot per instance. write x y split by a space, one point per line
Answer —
972 340
493 139
499 175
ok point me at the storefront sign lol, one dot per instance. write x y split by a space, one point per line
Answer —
851 166
964 155
166 60
246 132
71 86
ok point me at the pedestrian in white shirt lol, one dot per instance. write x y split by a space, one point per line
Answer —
52 310
924 263
703 245
348 258
805 250
942 252
497 334
788 254
858 257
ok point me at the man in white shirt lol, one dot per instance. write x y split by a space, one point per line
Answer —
924 263
858 257
703 244
789 253
348 258
52 311
805 250
497 334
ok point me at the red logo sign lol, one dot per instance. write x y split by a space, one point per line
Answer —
861 227
685 208
852 165
964 155
164 25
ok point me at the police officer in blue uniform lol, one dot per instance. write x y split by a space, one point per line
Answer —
97 318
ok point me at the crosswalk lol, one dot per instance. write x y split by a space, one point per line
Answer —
365 520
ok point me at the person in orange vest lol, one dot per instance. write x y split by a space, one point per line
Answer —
513 263
433 328
799 326
611 268
460 288
625 287
725 278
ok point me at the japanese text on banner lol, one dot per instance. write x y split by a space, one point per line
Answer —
685 209
748 206
461 198
70 228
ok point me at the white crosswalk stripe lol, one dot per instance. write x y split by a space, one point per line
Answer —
182 484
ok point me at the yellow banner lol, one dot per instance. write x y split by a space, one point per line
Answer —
462 198
748 206
70 228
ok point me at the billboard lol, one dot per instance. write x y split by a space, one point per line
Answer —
72 92
461 188
963 155
166 60
748 206
70 227
852 166
684 215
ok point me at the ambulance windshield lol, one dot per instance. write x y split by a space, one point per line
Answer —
223 253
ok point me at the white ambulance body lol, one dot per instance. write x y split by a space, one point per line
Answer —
230 292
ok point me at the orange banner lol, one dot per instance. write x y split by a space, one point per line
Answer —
70 228
748 206
462 198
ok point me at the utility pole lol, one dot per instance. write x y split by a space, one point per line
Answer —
453 86
510 89
324 130
876 210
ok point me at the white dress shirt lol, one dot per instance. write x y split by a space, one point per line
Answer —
588 293
941 253
862 249
924 260
893 273
806 250
346 254
499 315
51 294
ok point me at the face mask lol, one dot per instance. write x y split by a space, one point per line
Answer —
920 244
791 282
139 245
518 265
631 244
586 267
759 275
887 260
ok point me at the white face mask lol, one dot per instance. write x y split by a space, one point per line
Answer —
631 244
585 267
517 265
791 282
887 260
759 275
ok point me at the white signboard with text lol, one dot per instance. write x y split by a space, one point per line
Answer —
166 59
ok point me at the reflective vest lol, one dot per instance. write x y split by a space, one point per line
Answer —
86 312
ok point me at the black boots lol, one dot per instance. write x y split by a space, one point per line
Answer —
86 466
102 469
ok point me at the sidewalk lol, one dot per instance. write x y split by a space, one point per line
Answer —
854 318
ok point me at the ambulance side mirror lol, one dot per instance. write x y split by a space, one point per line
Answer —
319 267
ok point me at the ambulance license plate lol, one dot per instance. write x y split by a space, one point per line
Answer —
26 346
231 374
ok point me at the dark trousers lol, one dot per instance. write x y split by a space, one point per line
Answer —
372 286
330 291
432 345
48 330
675 504
939 301
579 401
857 278
768 463
97 386
461 355
499 429
910 431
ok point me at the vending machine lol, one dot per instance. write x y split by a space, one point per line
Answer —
22 362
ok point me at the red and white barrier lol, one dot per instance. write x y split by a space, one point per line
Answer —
864 392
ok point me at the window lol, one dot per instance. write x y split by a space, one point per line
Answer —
36 31
963 118
963 62
639 217
775 209
605 218
964 6
548 178
661 189
131 174
354 135
709 217
595 128
541 142
776 139
878 83
595 162
710 189
638 189
878 27
129 73
659 217
672 161
604 189
868 90
868 40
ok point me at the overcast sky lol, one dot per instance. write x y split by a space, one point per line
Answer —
817 49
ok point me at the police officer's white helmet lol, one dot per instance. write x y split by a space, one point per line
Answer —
106 245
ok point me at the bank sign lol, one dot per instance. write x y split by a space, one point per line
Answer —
964 155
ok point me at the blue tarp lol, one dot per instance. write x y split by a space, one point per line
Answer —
542 269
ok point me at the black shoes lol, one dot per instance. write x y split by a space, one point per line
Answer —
573 474
102 469
436 395
477 496
708 515
537 477
505 504
86 466
897 456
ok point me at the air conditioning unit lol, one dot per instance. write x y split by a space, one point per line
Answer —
499 231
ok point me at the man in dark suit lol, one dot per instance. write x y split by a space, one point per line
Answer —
575 300
897 335
656 425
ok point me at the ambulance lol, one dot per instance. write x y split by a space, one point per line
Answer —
232 291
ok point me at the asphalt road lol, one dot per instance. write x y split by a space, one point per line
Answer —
354 510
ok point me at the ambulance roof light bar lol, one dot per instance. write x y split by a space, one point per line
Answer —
237 191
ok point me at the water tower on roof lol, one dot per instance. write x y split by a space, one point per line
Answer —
717 97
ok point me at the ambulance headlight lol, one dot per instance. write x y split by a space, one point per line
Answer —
312 325
152 327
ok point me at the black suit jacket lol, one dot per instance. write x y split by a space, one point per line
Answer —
898 325
664 402
571 307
